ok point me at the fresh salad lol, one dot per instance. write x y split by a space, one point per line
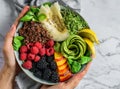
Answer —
54 42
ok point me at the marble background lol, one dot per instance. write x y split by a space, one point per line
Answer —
103 17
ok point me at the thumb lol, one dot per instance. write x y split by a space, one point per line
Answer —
44 87
74 81
10 34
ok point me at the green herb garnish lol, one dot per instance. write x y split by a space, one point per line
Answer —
85 59
42 17
31 15
73 21
17 42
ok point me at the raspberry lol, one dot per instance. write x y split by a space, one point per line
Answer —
34 50
34 69
27 64
29 45
50 43
23 49
38 45
23 56
42 51
49 51
37 58
31 56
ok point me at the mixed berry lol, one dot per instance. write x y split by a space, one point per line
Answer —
39 59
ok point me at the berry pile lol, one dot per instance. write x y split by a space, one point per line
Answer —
39 59
45 69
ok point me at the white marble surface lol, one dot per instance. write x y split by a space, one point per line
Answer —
103 17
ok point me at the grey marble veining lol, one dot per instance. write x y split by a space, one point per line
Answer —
103 17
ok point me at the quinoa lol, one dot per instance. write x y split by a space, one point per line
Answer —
34 32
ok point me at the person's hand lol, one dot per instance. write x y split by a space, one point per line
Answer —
8 72
8 51
71 83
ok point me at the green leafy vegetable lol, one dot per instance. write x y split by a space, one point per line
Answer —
34 9
17 42
31 15
26 18
85 59
73 21
75 67
20 38
88 53
70 61
42 17
57 46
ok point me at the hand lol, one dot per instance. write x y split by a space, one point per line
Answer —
8 71
8 51
71 83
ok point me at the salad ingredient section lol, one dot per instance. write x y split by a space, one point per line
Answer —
90 46
17 42
73 21
63 68
54 22
33 32
74 47
88 33
45 69
54 42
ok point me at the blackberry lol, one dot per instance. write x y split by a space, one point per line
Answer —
38 74
46 74
53 65
42 64
44 57
33 69
54 77
50 58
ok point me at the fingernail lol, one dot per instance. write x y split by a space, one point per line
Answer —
26 7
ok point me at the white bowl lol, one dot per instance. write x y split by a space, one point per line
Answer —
27 72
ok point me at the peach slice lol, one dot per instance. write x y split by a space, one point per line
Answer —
59 59
62 66
65 77
62 72
57 55
61 62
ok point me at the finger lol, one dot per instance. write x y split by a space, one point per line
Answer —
10 34
8 40
74 81
23 12
44 87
